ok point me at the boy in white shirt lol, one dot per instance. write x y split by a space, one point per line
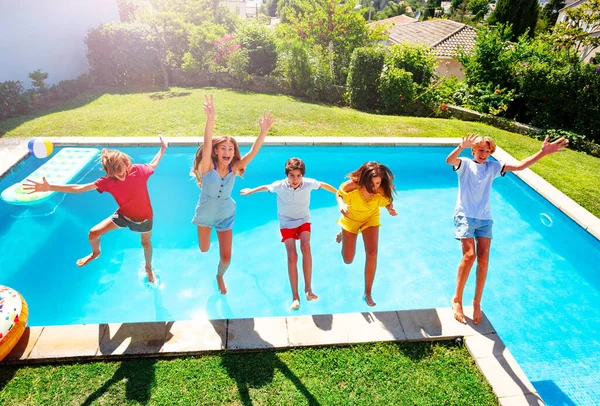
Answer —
472 215
293 200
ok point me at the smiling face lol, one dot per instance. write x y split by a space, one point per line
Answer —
295 178
225 152
481 152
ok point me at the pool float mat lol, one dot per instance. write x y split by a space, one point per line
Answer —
13 319
59 169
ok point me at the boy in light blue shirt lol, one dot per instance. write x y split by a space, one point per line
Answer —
293 200
472 214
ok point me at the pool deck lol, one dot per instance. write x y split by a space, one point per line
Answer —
193 337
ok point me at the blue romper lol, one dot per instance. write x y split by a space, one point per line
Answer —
215 206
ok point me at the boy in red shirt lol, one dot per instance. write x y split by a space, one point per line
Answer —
127 183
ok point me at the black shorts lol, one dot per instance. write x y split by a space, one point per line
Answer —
139 227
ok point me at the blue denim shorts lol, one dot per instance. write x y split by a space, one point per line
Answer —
468 227
139 227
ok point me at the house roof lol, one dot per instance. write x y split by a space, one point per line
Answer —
443 36
571 4
401 19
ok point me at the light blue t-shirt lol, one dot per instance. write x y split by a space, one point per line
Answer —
292 204
475 187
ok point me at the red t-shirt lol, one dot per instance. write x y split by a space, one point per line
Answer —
131 194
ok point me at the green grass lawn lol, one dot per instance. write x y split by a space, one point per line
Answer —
178 112
433 373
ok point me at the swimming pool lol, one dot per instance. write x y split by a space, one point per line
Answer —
542 293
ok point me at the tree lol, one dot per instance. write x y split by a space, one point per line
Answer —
577 33
522 14
549 13
478 8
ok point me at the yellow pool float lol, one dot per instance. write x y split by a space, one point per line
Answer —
13 319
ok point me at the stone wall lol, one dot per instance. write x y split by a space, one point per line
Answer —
470 115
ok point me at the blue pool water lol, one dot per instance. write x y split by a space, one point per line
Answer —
542 293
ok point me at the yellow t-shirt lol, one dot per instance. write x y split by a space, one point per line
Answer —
362 213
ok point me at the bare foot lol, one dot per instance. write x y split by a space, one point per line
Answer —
221 283
476 313
85 260
151 278
458 312
295 305
369 300
311 296
338 237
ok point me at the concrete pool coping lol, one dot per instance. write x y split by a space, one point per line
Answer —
116 341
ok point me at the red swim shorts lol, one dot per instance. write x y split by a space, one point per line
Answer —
294 232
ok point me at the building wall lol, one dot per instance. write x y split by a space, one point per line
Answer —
48 35
448 67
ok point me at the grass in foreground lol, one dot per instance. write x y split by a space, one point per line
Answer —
178 112
432 373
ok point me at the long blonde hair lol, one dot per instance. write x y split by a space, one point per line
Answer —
237 156
113 161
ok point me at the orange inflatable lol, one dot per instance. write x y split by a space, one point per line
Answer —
13 319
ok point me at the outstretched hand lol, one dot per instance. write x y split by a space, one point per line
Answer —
209 106
556 146
266 121
163 143
246 192
392 212
33 186
468 140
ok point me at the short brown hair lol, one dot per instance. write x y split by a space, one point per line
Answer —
113 161
295 163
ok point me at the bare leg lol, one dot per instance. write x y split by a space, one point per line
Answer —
147 244
371 240
464 268
483 256
225 241
204 238
307 265
292 260
348 246
94 235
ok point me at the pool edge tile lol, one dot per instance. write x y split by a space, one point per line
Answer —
439 324
505 376
257 333
122 339
67 342
531 399
192 337
27 342
326 329
368 327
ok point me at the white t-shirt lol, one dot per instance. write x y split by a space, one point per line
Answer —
475 187
292 204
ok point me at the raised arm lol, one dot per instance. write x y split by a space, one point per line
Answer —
548 148
467 142
163 147
265 123
209 109
31 186
328 187
249 191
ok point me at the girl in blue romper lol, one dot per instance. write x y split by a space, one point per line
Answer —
215 169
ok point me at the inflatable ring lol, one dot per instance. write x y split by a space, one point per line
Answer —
13 319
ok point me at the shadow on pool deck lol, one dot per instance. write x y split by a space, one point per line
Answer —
257 370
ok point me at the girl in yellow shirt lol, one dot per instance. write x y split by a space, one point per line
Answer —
359 199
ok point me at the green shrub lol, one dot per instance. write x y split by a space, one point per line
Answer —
237 65
261 44
416 59
577 142
123 55
396 90
294 65
363 78
14 101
